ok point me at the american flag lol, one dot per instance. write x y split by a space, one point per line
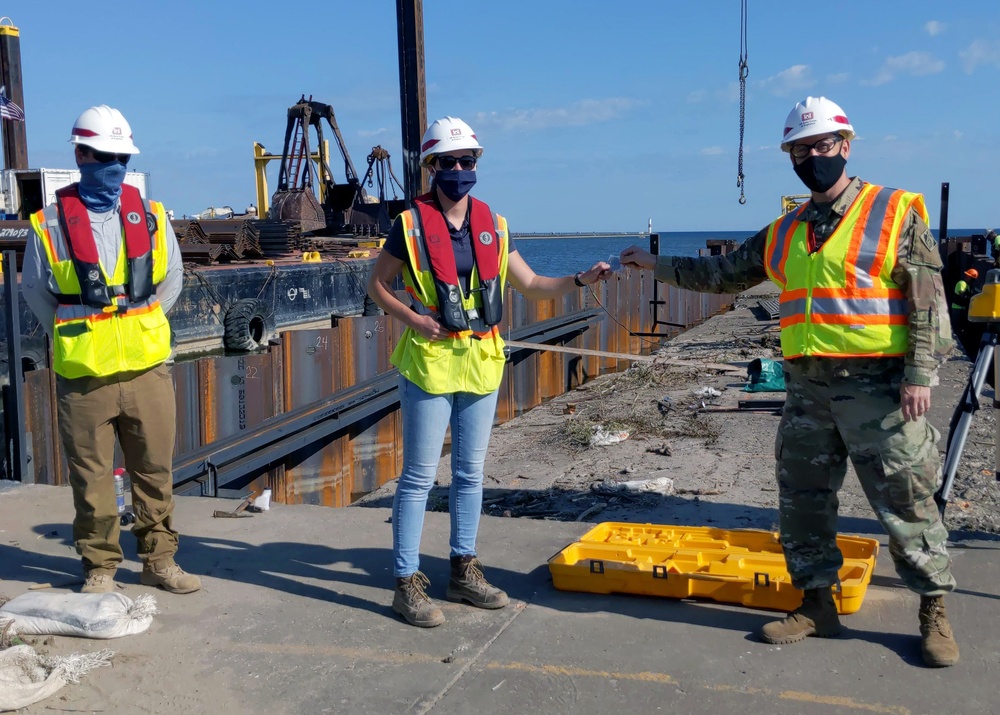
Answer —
9 110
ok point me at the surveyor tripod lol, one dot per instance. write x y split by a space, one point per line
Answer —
961 420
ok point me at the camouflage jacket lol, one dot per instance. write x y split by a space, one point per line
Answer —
917 271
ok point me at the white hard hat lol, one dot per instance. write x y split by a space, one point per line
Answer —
448 134
814 116
105 129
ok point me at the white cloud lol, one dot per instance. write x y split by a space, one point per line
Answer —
915 64
730 94
712 151
934 27
890 137
838 78
980 52
697 96
366 133
957 134
578 114
795 79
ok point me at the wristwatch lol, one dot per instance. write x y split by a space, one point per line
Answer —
576 279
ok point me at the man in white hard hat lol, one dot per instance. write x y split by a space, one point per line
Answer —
864 327
100 275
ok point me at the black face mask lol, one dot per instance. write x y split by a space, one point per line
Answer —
819 173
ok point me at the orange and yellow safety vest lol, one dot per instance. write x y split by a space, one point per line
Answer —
841 301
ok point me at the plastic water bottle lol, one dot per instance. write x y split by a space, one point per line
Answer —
120 490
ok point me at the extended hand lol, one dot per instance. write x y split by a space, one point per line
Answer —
916 401
600 271
635 256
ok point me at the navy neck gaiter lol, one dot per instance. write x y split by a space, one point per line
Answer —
101 185
455 183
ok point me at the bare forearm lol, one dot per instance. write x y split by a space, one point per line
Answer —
544 287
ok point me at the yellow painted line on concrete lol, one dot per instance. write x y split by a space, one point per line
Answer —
843 703
579 672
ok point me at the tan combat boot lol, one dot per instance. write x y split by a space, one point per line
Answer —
412 602
169 577
817 616
468 584
937 642
99 582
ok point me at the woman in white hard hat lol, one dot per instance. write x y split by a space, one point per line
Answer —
455 255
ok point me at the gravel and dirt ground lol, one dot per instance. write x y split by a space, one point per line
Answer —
720 462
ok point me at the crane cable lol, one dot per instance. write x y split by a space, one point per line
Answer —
744 71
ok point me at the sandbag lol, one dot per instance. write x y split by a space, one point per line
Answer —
765 376
27 677
87 615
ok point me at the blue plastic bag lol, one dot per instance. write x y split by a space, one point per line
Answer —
765 376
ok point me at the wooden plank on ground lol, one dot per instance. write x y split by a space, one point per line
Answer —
659 360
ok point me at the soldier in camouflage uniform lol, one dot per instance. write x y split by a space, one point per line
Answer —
844 401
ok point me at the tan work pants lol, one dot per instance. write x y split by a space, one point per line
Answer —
139 409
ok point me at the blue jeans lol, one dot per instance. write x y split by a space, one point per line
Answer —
425 419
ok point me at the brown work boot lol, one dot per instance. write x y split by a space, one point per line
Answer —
412 602
468 584
937 642
99 582
817 616
169 577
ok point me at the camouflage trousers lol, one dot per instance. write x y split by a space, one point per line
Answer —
839 408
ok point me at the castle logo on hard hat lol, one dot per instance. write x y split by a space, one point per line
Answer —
117 131
806 116
133 217
486 238
456 132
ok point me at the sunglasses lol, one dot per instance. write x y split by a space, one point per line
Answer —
449 162
106 157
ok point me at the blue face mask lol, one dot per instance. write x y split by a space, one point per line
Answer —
455 183
101 185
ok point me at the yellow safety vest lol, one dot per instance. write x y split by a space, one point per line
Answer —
123 337
470 361
841 300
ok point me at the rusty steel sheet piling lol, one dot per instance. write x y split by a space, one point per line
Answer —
247 401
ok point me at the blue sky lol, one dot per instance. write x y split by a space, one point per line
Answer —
595 115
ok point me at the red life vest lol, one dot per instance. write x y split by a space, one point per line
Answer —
485 247
83 247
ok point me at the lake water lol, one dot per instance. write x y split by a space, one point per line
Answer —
564 256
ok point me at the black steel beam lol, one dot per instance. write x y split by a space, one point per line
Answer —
15 138
412 92
14 408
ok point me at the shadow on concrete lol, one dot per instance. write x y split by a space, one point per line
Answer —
706 614
316 571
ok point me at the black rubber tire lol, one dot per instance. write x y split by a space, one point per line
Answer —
247 326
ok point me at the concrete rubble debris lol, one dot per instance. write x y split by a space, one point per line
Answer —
602 436
660 485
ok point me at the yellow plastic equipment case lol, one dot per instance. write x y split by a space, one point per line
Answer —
733 566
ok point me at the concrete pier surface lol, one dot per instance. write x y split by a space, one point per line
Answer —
294 617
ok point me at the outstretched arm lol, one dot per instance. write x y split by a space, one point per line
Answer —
732 273
534 286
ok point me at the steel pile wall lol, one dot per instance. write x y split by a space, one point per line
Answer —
219 397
